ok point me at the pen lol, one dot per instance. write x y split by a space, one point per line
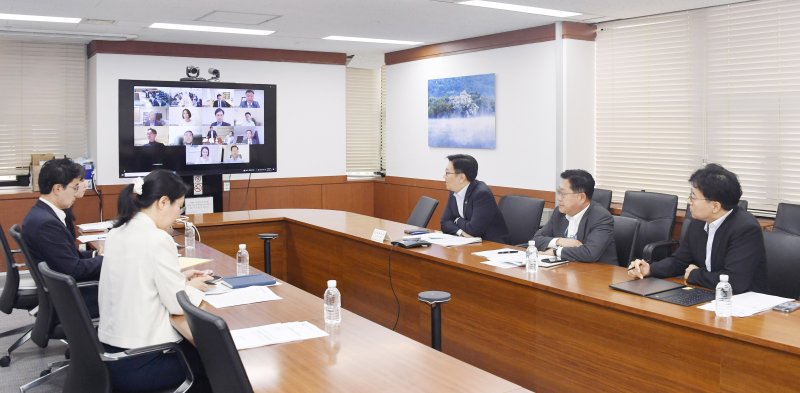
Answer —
507 252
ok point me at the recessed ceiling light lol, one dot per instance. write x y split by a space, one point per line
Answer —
210 29
520 8
374 40
39 18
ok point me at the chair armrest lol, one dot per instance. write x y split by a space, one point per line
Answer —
16 251
650 248
88 284
165 347
34 311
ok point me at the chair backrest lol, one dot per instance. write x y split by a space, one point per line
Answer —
656 215
787 219
86 372
45 317
602 197
743 204
522 215
626 230
422 212
9 295
783 264
217 351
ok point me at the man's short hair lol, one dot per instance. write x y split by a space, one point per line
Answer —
219 95
249 91
466 164
153 130
189 132
579 181
219 110
58 171
718 184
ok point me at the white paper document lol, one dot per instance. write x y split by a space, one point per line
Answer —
506 258
749 303
275 333
446 240
96 226
238 297
92 238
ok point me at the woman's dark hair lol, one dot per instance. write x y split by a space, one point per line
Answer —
187 111
206 149
157 184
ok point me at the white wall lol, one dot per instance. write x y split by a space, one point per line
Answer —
310 117
525 116
578 105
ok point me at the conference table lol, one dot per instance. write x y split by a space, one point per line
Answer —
357 356
560 329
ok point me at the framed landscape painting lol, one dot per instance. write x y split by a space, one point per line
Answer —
461 112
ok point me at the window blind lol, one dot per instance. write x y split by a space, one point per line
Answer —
363 118
44 102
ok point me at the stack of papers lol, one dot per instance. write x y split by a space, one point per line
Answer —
444 239
238 297
749 303
506 258
92 238
275 333
187 262
96 226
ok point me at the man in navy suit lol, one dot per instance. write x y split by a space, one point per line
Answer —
220 114
248 102
45 231
722 238
471 210
221 103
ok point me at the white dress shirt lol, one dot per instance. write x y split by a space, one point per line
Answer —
711 229
138 283
59 213
460 195
572 229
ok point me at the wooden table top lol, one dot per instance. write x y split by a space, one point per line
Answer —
358 356
587 282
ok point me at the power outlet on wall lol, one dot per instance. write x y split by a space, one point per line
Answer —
226 186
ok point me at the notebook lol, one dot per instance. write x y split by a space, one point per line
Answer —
666 291
249 280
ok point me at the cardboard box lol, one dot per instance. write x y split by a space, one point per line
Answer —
36 165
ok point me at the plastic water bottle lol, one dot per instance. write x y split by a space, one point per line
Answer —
188 241
242 261
333 304
723 298
531 257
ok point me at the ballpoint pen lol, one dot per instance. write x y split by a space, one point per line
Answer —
507 252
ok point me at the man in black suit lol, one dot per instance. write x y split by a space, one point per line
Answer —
46 234
152 134
471 210
578 230
220 114
220 102
722 238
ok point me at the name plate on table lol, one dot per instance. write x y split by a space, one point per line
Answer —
379 235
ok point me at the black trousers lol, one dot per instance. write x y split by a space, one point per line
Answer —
156 371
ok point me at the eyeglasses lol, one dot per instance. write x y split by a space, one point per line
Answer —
450 173
693 198
560 194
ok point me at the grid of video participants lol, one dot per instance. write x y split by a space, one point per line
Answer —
215 125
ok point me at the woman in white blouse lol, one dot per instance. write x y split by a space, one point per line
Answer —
138 285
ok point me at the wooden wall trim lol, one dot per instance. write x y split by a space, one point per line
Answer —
289 181
492 41
498 191
149 48
578 31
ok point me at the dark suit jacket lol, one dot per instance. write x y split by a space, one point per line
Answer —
221 124
50 241
595 231
244 105
481 216
738 251
221 104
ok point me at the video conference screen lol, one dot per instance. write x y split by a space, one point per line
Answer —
196 127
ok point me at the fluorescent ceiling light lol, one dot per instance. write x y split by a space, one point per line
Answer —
210 29
374 40
38 18
520 8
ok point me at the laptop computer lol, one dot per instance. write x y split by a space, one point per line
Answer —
666 291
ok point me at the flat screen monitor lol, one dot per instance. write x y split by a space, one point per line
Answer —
196 128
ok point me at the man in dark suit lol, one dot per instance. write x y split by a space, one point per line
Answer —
220 114
721 239
220 102
578 230
152 134
248 102
471 210
46 234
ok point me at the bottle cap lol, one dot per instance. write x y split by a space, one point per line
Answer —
331 283
723 277
242 246
531 243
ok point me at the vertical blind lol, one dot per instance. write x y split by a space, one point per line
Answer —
44 102
720 84
364 120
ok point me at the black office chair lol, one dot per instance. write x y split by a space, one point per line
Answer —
87 371
783 264
656 215
602 197
743 204
423 211
223 365
626 231
787 219
18 293
522 215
